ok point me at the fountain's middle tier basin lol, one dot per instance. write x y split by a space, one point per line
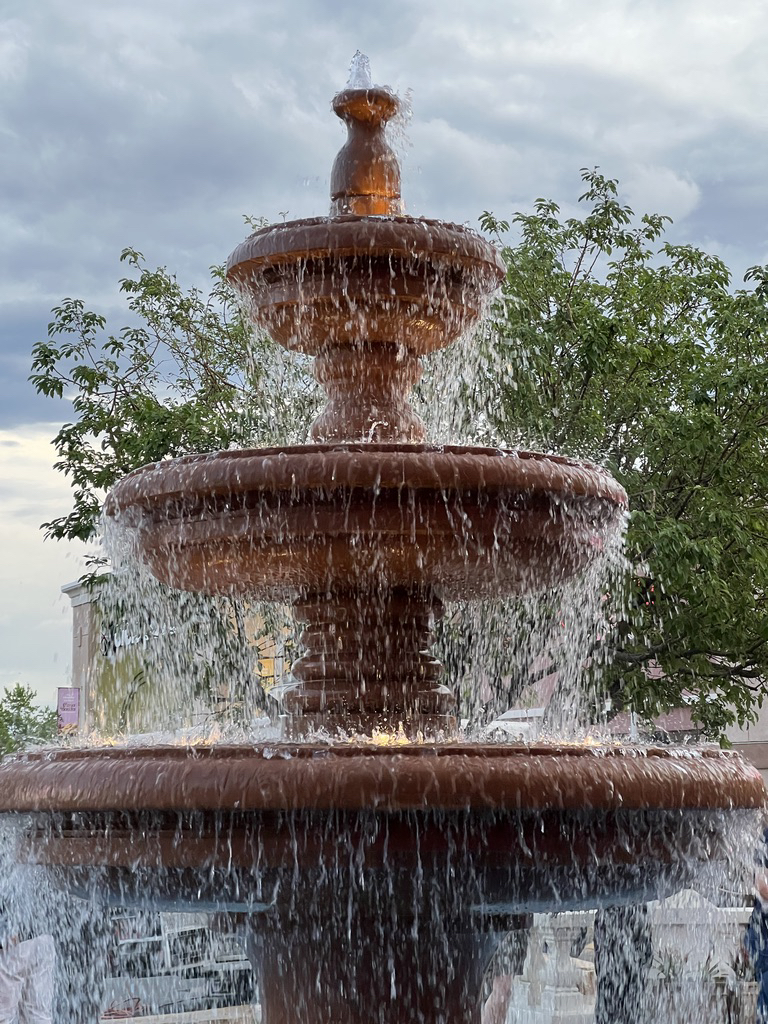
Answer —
318 518
493 829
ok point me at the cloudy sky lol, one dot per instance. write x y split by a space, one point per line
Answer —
159 123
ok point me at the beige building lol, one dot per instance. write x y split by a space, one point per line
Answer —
108 670
85 640
752 742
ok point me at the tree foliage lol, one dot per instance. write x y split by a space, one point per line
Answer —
185 375
607 342
23 721
639 354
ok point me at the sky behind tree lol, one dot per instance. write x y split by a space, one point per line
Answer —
159 125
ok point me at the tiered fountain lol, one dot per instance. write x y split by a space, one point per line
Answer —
376 878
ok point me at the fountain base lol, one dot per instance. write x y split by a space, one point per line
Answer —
374 881
353 968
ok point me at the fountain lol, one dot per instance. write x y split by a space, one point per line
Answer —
375 857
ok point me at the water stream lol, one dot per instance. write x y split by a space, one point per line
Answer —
204 846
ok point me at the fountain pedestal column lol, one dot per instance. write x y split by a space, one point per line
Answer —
366 666
345 965
368 387
365 178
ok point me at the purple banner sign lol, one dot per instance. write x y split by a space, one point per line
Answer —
68 708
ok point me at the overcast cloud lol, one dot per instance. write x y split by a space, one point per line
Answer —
159 124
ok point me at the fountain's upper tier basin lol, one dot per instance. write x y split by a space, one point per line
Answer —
281 522
415 283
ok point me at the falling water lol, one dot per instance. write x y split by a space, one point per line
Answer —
359 72
72 903
367 889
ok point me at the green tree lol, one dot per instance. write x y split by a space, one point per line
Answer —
184 375
616 345
23 721
607 342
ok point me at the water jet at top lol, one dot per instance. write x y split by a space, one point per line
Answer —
375 881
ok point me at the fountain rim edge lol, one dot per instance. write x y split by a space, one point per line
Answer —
427 778
389 234
422 467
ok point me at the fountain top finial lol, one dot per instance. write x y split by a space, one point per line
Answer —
365 179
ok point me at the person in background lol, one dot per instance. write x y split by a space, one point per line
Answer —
756 943
508 961
26 976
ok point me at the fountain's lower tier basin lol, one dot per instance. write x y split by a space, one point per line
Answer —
477 867
501 829
316 519
373 882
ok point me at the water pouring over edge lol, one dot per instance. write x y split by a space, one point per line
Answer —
434 848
